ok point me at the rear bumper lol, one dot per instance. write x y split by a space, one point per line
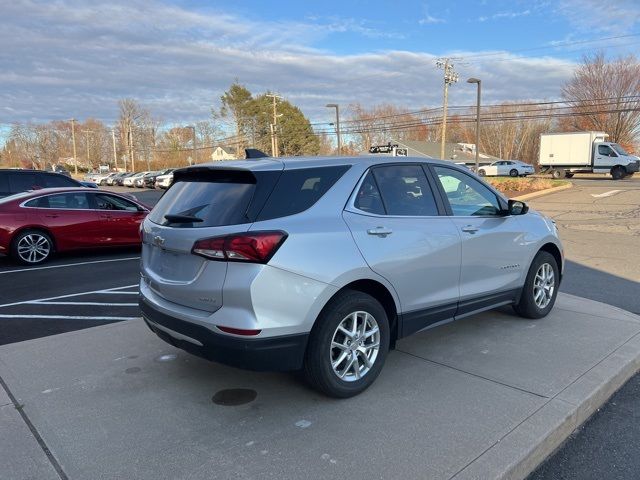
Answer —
283 353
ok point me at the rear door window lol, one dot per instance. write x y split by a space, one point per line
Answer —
297 190
405 190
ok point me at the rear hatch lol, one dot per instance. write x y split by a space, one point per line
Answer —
202 202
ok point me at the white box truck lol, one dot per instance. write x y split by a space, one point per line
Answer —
563 154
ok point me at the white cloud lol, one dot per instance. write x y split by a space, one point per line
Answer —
428 19
67 59
618 16
501 15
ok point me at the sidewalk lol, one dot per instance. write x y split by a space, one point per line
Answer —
487 397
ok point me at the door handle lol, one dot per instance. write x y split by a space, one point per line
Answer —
52 215
380 231
469 229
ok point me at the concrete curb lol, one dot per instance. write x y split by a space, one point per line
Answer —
531 195
527 446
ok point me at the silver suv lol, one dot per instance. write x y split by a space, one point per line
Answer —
321 264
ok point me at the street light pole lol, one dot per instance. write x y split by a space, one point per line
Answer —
479 83
337 107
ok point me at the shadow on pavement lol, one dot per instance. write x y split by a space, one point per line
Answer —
604 287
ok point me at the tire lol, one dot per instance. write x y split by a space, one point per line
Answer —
556 174
21 247
618 173
481 172
320 357
513 172
538 280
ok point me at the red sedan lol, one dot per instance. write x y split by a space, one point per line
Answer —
35 224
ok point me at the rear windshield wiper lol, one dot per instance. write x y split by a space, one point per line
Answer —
183 219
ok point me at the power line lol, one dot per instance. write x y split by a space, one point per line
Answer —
545 47
515 107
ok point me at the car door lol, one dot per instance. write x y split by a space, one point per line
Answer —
69 218
493 244
120 218
397 224
501 168
605 157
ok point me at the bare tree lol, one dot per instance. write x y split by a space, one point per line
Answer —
605 95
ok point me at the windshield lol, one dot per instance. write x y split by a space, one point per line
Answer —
619 150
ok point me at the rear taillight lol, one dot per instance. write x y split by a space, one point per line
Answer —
255 247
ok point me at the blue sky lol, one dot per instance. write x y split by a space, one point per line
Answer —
77 58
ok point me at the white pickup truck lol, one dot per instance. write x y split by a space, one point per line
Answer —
563 154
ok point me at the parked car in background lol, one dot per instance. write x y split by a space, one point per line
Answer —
129 181
511 168
88 184
164 181
112 180
138 182
151 178
119 181
15 181
34 225
104 180
366 250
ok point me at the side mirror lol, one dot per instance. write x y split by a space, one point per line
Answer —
517 207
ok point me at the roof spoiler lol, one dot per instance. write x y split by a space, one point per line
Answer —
251 153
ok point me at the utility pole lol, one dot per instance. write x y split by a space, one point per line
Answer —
73 138
193 137
274 125
450 76
133 163
115 153
86 133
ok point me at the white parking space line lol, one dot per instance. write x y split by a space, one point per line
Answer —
118 293
605 194
70 295
69 317
83 303
32 269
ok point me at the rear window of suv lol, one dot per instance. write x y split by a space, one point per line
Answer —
209 204
217 197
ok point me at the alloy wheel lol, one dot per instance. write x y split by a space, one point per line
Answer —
354 346
544 285
33 248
